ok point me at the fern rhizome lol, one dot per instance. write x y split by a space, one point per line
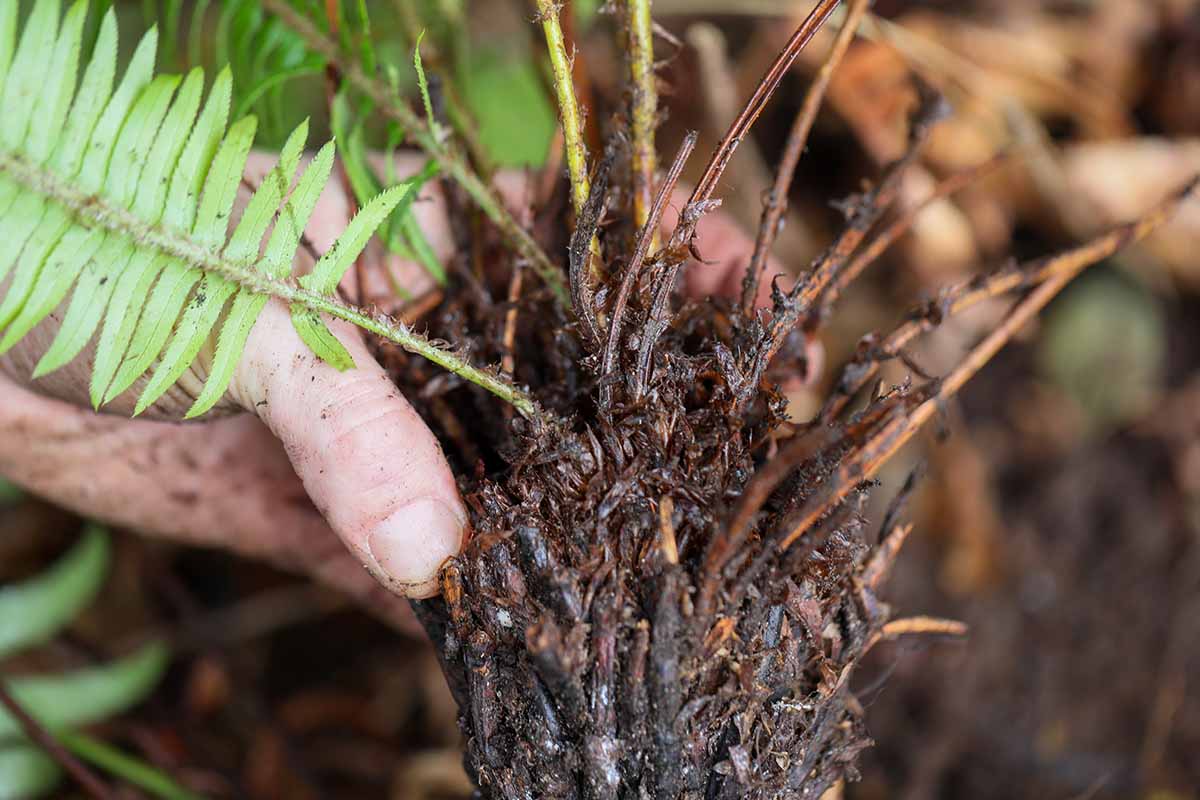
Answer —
669 584
121 197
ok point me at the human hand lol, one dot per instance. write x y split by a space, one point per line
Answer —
318 450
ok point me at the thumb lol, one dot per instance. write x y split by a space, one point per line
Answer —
367 461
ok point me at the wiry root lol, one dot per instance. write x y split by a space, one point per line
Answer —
650 606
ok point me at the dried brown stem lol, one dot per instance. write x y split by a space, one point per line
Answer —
700 201
645 238
963 296
881 561
922 626
754 106
864 213
38 734
865 463
897 228
797 140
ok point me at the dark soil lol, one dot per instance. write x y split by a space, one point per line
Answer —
1078 678
604 633
593 649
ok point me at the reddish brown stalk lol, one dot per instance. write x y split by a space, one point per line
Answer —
38 734
797 140
700 201
865 463
800 450
899 226
645 238
970 293
881 561
864 213
766 87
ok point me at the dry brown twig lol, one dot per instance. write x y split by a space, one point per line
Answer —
766 88
921 626
956 299
37 733
797 140
897 228
610 631
1057 272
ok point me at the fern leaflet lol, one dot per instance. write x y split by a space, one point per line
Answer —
121 198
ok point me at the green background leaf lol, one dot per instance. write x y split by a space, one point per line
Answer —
86 695
34 610
26 772
507 98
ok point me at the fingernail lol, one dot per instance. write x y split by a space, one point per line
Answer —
413 543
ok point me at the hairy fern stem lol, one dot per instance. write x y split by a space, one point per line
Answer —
94 212
451 163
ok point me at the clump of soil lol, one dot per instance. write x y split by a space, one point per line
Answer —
595 643
669 585
643 609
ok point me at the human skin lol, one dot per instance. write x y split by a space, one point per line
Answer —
325 473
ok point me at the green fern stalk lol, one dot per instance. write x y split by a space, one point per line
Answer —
122 197
564 92
644 116
451 163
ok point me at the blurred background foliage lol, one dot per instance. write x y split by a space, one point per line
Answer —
490 62
1060 513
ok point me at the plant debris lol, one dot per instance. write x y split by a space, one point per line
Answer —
669 583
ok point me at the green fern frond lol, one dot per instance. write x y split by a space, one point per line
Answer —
266 58
121 198
33 611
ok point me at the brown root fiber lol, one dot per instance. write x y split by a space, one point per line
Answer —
569 627
668 587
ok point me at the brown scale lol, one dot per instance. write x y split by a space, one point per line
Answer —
654 603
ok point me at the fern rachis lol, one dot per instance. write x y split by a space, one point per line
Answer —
122 198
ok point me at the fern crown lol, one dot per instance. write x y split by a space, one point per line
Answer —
120 197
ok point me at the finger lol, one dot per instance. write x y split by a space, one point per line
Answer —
223 483
366 459
329 219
